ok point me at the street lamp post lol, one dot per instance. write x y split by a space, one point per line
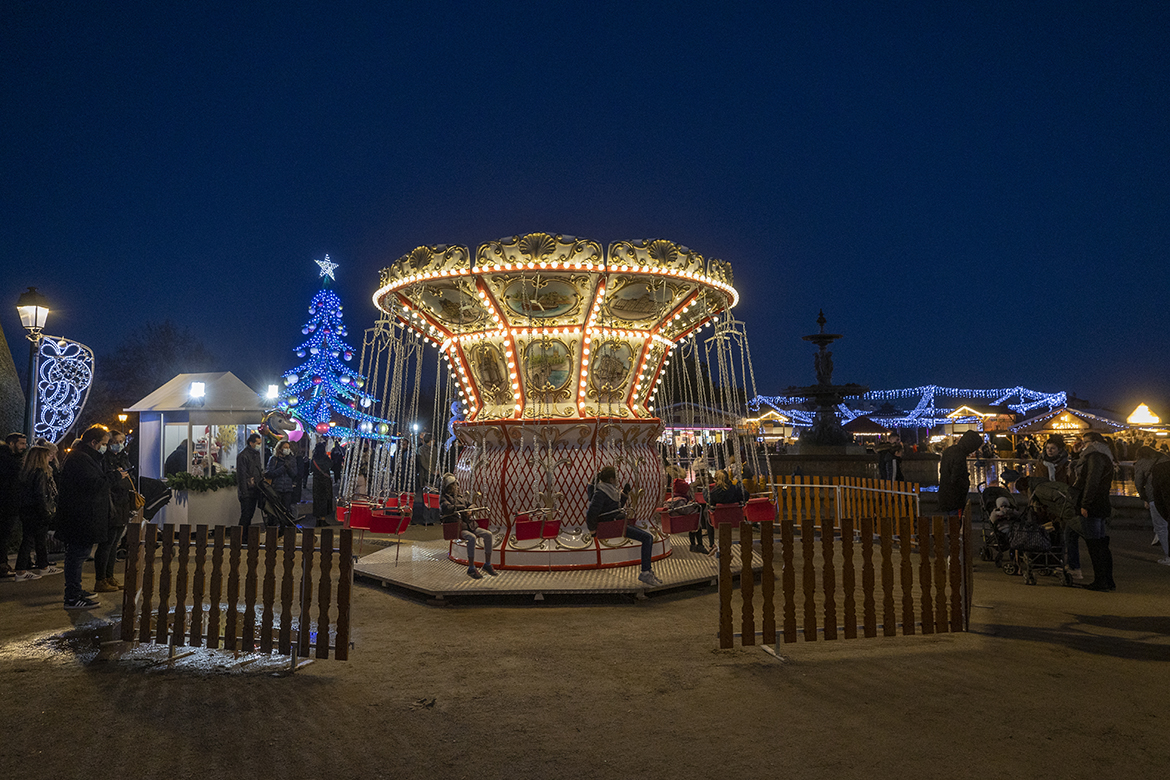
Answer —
34 311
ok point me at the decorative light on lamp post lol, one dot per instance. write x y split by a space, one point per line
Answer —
34 311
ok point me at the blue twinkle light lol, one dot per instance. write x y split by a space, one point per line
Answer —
925 414
323 387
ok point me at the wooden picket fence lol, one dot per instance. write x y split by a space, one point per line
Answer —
166 566
838 497
837 574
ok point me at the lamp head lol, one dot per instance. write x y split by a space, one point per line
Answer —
34 311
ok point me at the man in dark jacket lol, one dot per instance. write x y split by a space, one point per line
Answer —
1160 487
249 473
83 510
954 483
1094 481
117 467
11 454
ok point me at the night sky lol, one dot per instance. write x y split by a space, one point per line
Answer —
977 194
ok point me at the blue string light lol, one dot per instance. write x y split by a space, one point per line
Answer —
925 414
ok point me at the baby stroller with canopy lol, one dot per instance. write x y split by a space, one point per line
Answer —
995 537
275 513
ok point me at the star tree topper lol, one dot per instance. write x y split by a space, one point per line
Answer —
326 267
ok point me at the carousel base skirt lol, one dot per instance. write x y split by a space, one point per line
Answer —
425 568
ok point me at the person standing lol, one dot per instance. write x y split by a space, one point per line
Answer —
117 468
285 475
890 458
11 455
1143 477
320 466
83 510
954 481
249 473
1093 483
38 506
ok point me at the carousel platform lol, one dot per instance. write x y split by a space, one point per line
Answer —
424 569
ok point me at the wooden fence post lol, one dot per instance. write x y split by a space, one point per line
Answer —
248 635
726 632
768 582
271 543
164 583
324 593
179 634
906 551
867 578
829 575
216 591
940 577
198 586
889 621
848 583
924 574
810 581
304 627
344 589
747 585
788 580
131 580
955 572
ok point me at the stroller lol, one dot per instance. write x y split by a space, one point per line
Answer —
1035 546
995 538
274 512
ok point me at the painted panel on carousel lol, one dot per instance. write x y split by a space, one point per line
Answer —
453 303
613 360
491 375
540 298
549 366
637 302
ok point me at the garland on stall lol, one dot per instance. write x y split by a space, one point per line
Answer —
195 483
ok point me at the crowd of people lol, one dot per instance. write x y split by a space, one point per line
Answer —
85 499
1085 473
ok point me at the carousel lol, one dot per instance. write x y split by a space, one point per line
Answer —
549 357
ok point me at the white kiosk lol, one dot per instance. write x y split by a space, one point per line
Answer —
208 415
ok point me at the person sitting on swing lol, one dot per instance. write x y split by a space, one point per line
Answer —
455 506
607 502
682 502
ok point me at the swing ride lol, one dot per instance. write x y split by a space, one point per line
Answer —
552 359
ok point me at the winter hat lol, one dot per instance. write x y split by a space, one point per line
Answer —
448 481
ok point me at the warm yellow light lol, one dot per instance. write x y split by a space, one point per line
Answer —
1143 416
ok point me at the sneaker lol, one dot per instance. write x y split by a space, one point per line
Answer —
489 570
1076 574
1164 561
85 594
648 578
48 571
25 576
82 603
474 573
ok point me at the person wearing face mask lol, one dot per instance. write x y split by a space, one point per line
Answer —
285 475
83 510
117 468
249 473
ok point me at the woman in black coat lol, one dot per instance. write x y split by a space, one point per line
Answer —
320 466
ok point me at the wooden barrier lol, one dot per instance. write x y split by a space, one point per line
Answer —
822 598
254 559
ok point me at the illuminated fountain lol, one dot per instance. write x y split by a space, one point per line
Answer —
558 350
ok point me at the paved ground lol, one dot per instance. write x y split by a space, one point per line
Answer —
1051 683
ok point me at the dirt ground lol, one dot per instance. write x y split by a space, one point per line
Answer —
1052 682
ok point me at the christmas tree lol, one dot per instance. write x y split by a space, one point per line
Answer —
323 387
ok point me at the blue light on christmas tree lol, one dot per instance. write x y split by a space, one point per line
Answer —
323 387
